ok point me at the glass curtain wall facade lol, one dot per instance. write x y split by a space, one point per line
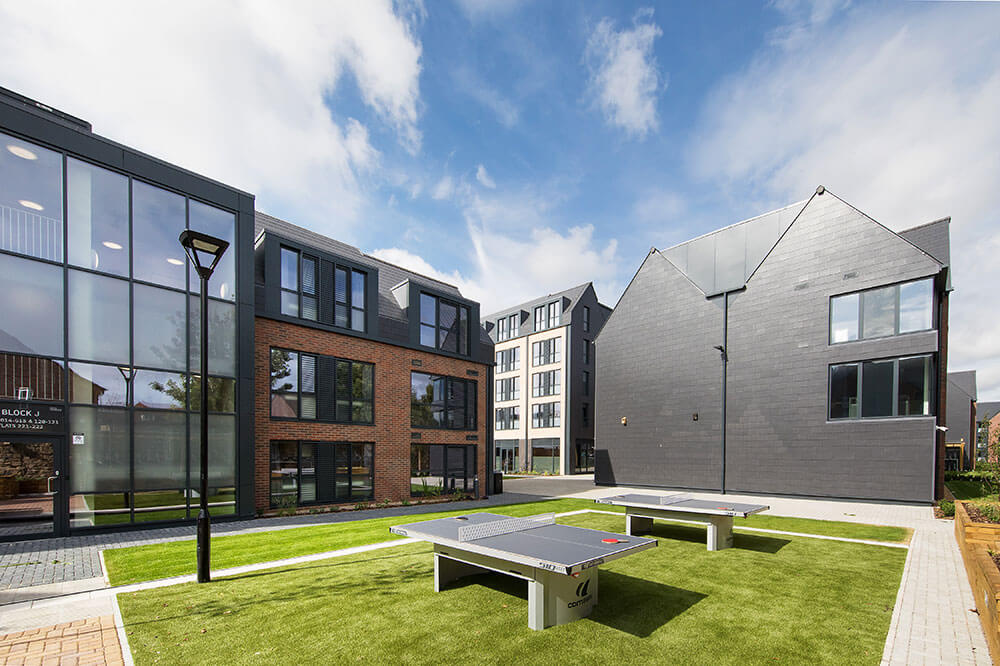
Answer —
101 313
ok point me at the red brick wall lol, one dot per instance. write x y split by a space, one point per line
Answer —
391 431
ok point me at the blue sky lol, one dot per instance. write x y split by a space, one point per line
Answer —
518 148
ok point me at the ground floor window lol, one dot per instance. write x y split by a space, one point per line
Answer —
584 451
436 469
545 455
505 454
321 472
882 388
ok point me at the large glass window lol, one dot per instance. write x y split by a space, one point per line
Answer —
508 418
321 472
505 453
546 383
442 402
31 303
97 218
24 377
160 328
545 455
221 460
508 389
323 388
31 205
160 390
440 468
160 450
98 318
882 312
221 224
158 218
221 336
545 415
508 359
443 324
101 463
546 351
882 388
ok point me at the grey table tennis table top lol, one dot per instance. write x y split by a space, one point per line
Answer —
560 548
684 504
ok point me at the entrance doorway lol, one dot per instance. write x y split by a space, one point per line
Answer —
29 486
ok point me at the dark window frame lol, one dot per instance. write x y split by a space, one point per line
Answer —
470 471
546 415
859 390
546 383
897 288
463 344
449 380
507 418
350 474
298 391
586 319
552 352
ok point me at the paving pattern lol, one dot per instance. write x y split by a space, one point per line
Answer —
82 642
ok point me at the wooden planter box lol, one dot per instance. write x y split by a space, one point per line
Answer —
974 541
8 487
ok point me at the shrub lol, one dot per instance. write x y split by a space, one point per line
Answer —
947 508
990 510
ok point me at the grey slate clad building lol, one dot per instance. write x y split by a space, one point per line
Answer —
793 353
545 380
960 450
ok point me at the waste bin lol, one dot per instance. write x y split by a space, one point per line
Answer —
497 483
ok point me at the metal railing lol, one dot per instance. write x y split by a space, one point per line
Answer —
31 234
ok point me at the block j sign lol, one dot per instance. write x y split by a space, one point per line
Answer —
27 418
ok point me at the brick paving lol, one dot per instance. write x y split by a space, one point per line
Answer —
82 642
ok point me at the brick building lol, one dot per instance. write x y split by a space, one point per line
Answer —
371 381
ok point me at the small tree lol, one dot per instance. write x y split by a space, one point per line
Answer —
991 468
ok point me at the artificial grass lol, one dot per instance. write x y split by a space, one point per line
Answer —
784 599
163 560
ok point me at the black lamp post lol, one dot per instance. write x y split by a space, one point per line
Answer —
204 251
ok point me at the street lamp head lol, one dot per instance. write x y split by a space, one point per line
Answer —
203 250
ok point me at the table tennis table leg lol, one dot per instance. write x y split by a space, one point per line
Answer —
636 525
447 569
555 599
720 532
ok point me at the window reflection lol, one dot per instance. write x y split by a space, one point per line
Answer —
221 336
221 224
159 323
97 218
92 384
159 390
98 318
31 303
158 220
30 199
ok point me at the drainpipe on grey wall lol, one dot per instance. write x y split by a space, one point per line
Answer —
725 362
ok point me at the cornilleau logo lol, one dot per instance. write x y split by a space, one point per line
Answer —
581 589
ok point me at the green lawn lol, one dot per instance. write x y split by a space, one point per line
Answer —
768 599
163 560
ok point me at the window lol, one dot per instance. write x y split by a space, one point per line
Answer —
554 312
321 472
32 305
441 468
513 326
97 218
545 383
509 359
882 388
444 325
508 418
882 312
31 193
546 351
321 388
442 402
505 452
586 319
298 285
508 389
501 329
545 455
586 415
545 415
540 318
159 325
586 382
158 218
221 224
98 318
586 352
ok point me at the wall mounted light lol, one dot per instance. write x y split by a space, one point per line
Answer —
624 420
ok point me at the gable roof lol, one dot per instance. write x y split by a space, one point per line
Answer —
987 410
573 294
964 381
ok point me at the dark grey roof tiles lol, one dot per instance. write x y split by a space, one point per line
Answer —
987 410
965 381
933 238
573 294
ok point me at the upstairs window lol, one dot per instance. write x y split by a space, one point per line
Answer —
882 312
300 291
545 383
545 415
508 359
586 383
554 310
442 402
546 351
540 318
586 352
444 324
513 326
882 388
586 319
321 388
349 298
508 389
508 418
501 329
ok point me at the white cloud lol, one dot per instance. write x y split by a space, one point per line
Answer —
484 178
444 189
477 10
879 109
625 80
232 90
468 82
516 230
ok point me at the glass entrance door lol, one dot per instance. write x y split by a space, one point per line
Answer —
29 485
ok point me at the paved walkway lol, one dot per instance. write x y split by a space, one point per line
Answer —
931 622
83 642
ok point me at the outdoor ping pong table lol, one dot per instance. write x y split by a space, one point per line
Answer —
640 510
558 561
